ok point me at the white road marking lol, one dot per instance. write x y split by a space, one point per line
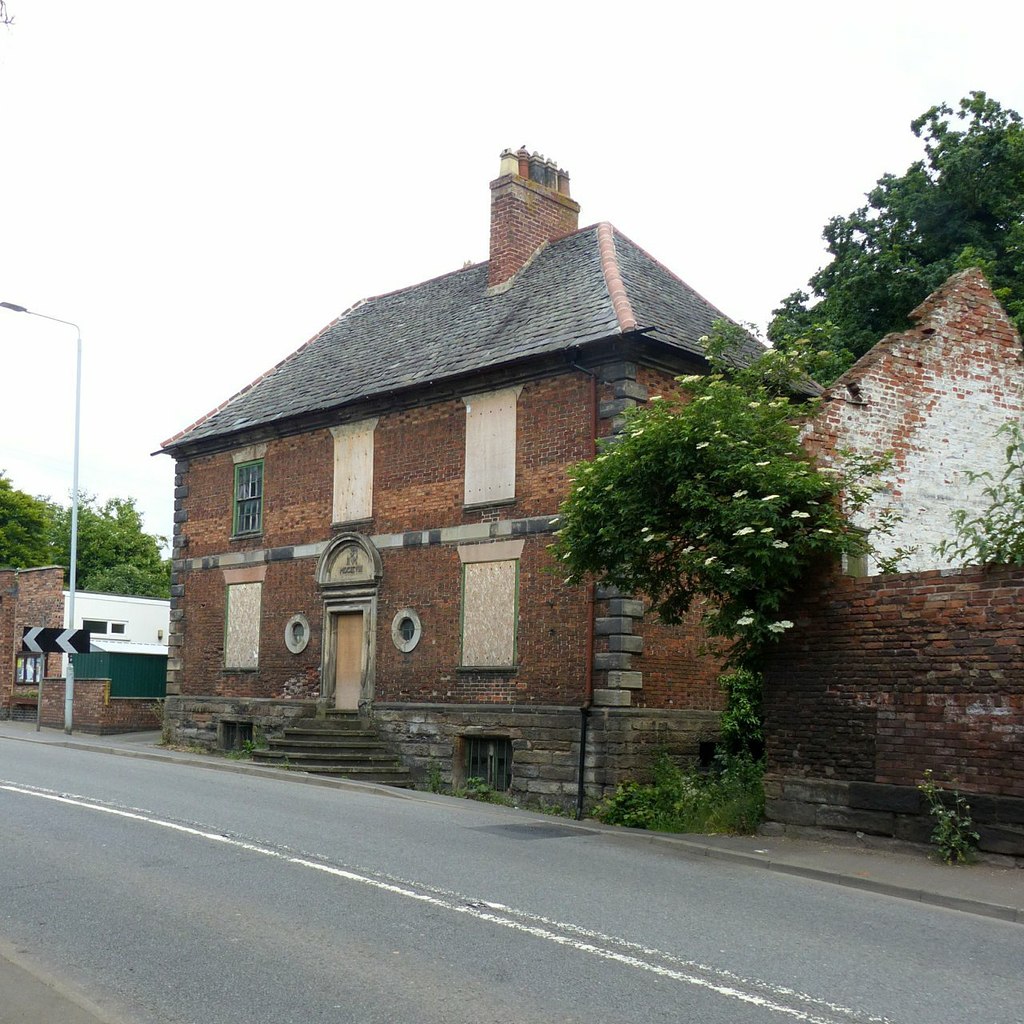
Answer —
808 1009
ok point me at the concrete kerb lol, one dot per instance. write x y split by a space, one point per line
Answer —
120 748
721 848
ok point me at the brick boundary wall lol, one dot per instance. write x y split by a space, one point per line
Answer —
886 677
95 711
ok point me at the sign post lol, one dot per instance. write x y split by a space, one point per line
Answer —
47 640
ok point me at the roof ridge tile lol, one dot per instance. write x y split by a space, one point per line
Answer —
613 278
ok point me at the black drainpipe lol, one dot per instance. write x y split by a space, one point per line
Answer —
589 695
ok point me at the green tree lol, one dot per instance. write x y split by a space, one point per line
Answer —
24 527
961 205
711 498
115 554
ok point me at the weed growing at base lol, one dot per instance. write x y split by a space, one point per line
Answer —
729 798
954 833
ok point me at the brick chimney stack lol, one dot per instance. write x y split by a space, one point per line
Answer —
530 205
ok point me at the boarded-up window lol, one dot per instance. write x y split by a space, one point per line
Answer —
353 471
242 627
491 446
490 604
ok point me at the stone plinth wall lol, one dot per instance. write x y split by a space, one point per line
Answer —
95 711
621 743
886 677
196 720
899 812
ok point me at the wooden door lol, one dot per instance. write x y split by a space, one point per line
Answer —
348 659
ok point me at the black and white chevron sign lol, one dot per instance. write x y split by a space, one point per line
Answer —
43 640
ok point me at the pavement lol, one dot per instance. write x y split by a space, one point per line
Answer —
991 888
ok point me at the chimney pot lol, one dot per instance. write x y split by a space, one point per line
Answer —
509 163
526 214
537 169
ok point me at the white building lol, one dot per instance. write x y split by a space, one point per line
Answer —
113 619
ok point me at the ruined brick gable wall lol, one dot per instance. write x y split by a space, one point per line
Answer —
935 396
886 677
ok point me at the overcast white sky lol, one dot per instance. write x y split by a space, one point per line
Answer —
202 187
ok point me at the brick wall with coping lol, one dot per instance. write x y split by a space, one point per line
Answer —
96 712
886 677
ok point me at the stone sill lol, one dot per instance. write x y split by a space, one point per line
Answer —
479 506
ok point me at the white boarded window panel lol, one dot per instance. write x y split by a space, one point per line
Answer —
353 470
491 446
242 635
489 614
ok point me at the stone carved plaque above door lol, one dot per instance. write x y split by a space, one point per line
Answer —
350 560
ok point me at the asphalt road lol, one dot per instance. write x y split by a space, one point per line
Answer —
168 893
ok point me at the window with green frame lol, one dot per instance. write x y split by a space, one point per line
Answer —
249 497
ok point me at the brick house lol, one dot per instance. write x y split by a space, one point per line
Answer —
923 670
365 527
28 597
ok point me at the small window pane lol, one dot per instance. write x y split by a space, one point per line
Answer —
249 497
117 627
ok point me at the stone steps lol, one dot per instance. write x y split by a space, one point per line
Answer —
341 744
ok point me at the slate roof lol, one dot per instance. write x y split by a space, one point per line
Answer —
451 325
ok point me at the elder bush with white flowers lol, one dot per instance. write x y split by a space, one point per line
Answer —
711 497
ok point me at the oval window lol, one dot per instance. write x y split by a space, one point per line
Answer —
406 630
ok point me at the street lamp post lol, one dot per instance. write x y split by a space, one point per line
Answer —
69 687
